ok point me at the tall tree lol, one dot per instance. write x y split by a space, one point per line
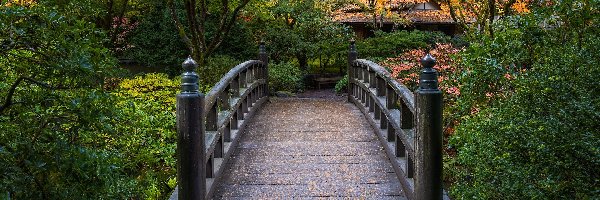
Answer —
195 34
480 14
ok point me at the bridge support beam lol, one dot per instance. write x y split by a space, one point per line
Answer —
191 180
428 150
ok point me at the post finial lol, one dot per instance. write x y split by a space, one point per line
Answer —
262 47
189 78
428 61
428 79
353 47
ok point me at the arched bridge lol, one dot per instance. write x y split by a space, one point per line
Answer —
383 142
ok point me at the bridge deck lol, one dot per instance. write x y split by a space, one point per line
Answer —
309 148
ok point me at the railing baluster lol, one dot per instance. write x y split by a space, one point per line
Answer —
406 116
211 119
227 132
235 87
381 87
218 153
410 167
225 95
209 167
391 98
371 103
391 132
384 122
400 147
242 80
247 104
244 108
234 120
372 80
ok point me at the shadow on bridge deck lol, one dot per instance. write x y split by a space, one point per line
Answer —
309 148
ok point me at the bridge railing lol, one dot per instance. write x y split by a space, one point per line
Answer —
208 127
408 125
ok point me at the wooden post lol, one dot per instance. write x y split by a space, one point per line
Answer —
428 150
352 56
264 57
190 136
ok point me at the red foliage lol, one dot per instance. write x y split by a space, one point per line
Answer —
406 67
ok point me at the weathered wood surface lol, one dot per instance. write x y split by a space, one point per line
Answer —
309 148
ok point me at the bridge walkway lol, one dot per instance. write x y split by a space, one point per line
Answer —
309 148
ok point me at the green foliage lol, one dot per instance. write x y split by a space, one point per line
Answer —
342 85
146 121
52 66
155 43
300 30
48 151
285 77
387 45
63 136
215 68
530 120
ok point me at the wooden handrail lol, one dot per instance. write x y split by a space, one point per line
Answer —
208 126
408 125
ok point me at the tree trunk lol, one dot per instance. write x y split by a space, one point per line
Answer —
303 61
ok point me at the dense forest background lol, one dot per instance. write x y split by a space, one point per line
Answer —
87 88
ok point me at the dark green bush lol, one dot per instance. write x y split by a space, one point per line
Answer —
155 42
342 85
387 45
147 139
53 125
215 68
285 76
530 109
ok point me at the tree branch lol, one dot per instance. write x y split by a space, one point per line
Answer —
178 25
226 28
461 22
196 31
492 14
11 92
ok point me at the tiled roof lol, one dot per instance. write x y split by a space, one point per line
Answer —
396 8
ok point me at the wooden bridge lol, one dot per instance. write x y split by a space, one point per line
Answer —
383 142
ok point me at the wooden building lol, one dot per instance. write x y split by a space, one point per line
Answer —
396 15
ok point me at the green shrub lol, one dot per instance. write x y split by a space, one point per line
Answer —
386 45
285 77
51 135
530 110
155 42
147 139
342 85
216 67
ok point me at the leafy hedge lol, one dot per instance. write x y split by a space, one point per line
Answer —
285 77
387 45
529 110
